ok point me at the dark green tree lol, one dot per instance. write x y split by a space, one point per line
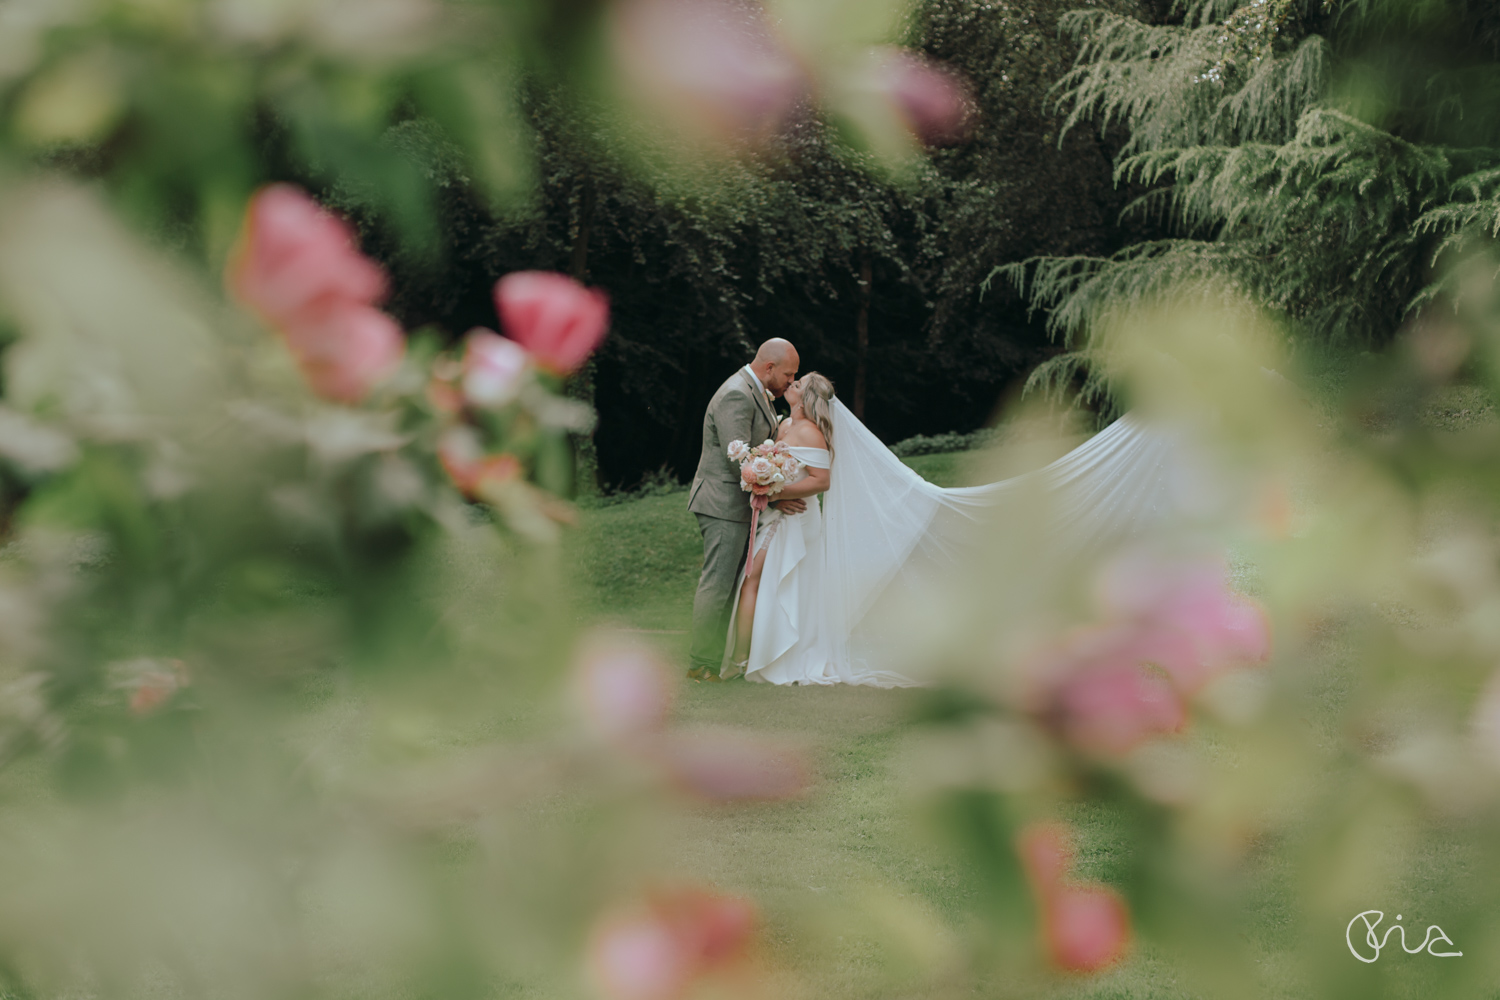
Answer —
1311 155
875 276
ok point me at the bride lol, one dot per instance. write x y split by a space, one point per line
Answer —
776 640
813 604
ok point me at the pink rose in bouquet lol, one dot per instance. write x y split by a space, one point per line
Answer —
764 472
764 469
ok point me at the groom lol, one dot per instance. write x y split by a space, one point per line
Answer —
740 411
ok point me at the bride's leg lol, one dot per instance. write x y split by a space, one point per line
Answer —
744 620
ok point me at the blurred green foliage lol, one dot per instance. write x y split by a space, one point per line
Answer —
1321 158
281 712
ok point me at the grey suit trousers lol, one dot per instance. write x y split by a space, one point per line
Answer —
724 547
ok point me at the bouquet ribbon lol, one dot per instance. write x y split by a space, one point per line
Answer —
758 503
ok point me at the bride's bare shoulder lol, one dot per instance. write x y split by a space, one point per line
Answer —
805 434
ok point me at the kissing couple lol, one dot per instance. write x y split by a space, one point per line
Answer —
855 537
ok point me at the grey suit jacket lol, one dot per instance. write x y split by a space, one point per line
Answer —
739 411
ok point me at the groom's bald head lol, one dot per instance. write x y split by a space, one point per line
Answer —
776 364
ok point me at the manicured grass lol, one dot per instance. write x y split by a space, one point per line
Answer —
858 903
636 563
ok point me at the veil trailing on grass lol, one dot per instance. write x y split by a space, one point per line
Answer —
893 542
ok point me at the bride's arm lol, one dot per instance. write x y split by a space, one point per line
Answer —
816 481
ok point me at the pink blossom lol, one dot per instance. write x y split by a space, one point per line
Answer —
933 101
293 255
1112 708
493 368
715 927
1192 598
714 63
1084 927
728 767
1131 642
554 317
662 946
622 691
297 267
1228 629
637 957
345 350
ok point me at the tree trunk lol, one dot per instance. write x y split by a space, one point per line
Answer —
862 338
581 385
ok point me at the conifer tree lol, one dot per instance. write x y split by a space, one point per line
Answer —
1311 155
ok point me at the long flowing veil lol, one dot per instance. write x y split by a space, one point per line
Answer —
892 540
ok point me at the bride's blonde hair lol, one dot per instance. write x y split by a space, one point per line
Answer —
817 404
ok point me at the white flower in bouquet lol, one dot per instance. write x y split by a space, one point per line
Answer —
738 451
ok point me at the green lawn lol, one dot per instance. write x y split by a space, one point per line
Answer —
636 563
858 904
849 849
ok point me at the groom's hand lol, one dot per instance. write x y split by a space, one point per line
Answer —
790 506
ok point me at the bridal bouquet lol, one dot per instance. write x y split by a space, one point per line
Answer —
764 469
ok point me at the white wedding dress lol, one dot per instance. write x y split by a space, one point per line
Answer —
884 540
788 603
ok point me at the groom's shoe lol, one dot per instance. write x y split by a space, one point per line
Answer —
700 674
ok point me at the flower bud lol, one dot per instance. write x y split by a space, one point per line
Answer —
554 317
621 690
493 368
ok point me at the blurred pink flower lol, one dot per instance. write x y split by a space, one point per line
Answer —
345 349
1084 927
296 266
1112 708
623 691
637 957
554 317
493 368
658 949
715 927
724 766
1193 598
294 254
933 101
714 63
